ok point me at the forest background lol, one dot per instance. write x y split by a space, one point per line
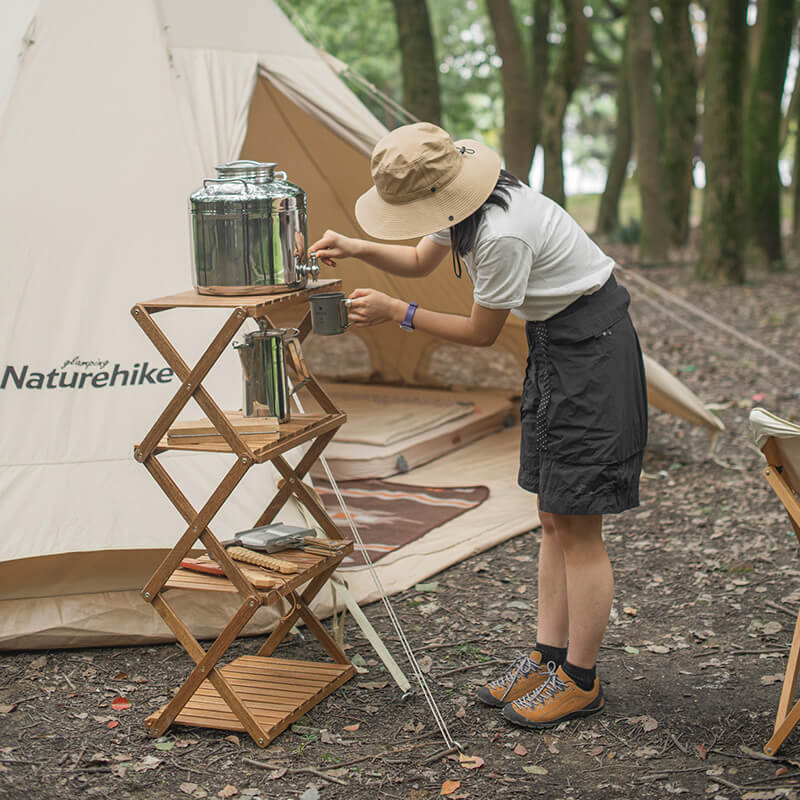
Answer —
672 125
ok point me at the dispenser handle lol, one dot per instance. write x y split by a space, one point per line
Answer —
226 180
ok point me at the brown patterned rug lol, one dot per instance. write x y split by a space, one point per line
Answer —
390 515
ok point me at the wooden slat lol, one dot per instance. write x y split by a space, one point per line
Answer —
256 305
271 707
265 447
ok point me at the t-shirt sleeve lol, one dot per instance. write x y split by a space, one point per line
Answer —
441 237
502 269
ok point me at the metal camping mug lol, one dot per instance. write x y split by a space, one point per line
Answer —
329 313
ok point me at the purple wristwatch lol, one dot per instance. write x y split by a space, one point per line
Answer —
408 322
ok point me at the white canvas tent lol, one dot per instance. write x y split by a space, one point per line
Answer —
111 113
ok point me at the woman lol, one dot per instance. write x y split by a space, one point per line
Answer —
583 406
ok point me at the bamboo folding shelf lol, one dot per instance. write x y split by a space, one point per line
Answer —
259 694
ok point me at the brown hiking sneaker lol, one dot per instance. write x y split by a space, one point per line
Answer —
559 698
526 674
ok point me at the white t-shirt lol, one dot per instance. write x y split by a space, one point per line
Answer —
533 259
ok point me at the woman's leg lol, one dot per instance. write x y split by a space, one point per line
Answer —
553 617
589 584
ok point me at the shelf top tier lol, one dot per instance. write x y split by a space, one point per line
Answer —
254 304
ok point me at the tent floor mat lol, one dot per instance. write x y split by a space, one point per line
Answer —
489 412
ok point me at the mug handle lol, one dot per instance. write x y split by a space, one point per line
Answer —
344 319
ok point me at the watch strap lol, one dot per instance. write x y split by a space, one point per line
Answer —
408 320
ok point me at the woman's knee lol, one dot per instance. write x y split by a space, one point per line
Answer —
575 530
548 522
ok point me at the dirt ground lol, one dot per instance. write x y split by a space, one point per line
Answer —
708 585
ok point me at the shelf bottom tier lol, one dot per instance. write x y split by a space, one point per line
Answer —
276 691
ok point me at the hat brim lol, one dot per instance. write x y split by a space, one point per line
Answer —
445 207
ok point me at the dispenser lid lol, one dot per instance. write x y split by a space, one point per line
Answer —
257 171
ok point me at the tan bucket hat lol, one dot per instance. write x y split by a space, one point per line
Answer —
425 182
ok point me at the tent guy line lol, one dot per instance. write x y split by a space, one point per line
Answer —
671 297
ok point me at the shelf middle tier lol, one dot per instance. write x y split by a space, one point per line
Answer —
300 428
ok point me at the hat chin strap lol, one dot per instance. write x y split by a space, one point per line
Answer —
454 250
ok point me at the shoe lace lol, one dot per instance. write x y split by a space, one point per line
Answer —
523 665
547 691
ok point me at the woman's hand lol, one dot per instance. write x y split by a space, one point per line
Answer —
333 245
370 307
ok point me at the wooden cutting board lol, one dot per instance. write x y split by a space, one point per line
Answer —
207 565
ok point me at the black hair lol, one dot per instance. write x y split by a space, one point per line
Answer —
462 234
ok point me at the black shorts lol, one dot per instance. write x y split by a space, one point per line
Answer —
584 407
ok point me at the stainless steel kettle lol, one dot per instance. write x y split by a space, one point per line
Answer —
265 388
250 232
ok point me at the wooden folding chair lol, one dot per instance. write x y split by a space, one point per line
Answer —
779 440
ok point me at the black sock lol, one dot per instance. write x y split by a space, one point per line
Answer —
583 677
555 654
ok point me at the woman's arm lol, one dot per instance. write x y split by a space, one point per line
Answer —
397 259
480 329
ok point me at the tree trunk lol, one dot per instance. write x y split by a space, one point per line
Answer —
608 213
518 146
540 64
762 185
654 232
559 89
723 205
679 93
419 66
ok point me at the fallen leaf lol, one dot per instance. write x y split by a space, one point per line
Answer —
767 680
374 685
534 769
232 739
648 723
470 762
352 728
148 762
631 650
119 770
164 744
120 676
312 793
38 663
702 752
448 787
595 751
188 788
120 704
277 773
4 709
630 611
425 664
433 586
764 795
521 750
461 713
771 628
658 648
112 723
227 791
